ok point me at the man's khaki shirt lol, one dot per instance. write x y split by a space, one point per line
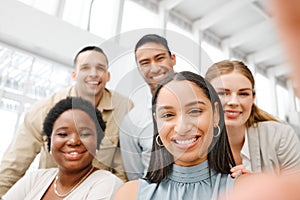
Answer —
29 140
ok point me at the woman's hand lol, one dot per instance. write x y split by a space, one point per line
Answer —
238 170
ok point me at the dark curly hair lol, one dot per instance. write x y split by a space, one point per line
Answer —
74 103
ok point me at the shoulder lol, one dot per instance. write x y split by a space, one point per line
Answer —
40 175
118 99
127 191
273 133
273 127
106 176
116 95
46 104
273 124
139 116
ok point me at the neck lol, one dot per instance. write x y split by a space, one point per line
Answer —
236 136
68 179
152 90
65 183
94 99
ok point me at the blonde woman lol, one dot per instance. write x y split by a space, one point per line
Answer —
259 141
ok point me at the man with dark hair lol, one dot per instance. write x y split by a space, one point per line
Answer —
155 61
91 75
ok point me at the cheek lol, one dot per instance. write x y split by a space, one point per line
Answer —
163 130
56 143
90 144
248 105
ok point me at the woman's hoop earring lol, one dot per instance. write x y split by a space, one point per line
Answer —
219 131
157 142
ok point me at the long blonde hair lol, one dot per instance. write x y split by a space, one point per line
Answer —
226 67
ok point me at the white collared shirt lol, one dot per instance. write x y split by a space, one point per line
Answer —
245 153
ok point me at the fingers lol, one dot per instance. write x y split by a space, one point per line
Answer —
238 170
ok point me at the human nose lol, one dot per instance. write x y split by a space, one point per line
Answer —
232 99
74 140
183 125
94 71
154 67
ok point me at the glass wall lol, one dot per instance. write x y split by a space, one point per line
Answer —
25 78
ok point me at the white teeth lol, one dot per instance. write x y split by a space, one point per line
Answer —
94 82
185 142
232 113
74 153
158 77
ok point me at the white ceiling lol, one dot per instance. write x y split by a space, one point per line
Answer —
243 27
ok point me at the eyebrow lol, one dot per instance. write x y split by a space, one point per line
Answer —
163 108
242 89
157 55
160 54
187 105
78 128
87 64
195 103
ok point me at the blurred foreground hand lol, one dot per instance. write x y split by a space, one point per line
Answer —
266 187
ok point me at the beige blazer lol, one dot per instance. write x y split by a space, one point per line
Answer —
274 147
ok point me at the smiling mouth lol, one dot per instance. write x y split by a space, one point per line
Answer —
93 82
158 77
73 155
186 141
232 114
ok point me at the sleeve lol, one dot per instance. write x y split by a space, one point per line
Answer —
130 149
288 151
26 144
20 189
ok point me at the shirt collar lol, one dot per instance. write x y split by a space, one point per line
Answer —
105 102
245 153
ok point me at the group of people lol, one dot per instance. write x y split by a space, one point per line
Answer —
199 138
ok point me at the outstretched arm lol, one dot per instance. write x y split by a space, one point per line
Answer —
286 15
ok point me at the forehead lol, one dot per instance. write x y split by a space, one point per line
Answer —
181 92
233 80
91 56
74 116
151 47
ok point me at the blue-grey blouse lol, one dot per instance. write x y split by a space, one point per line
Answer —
187 183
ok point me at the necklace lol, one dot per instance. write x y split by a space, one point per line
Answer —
73 188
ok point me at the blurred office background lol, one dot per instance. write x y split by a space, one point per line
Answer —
39 38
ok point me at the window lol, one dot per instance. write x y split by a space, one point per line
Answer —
138 17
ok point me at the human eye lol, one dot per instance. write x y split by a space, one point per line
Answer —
166 115
244 94
84 67
160 58
221 93
62 134
101 68
195 111
85 134
144 64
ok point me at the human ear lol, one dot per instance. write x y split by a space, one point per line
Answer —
216 116
173 58
74 75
